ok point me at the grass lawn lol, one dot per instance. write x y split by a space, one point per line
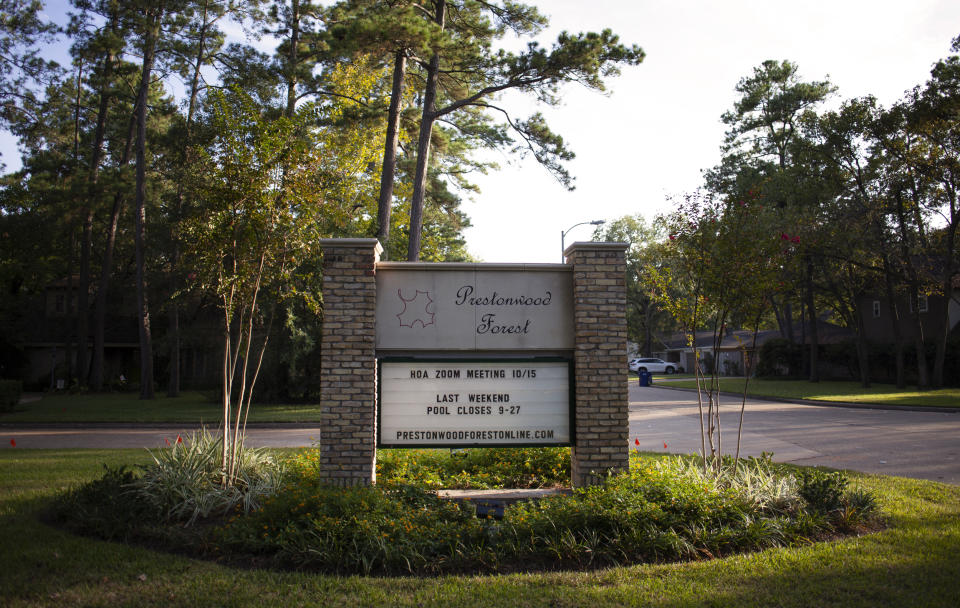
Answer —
127 407
912 563
850 392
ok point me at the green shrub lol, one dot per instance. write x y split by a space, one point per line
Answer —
184 482
822 490
10 392
475 468
661 510
779 357
357 530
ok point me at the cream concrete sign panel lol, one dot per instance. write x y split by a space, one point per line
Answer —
474 403
468 307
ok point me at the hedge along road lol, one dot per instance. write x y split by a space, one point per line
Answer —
924 445
919 444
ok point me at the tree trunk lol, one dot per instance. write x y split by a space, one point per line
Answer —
648 333
106 267
140 217
83 289
292 58
894 322
788 321
173 311
93 193
923 380
423 146
388 171
814 335
69 356
947 287
863 353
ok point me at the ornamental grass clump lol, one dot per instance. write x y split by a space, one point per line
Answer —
181 486
185 483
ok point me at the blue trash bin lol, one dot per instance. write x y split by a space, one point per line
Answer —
645 378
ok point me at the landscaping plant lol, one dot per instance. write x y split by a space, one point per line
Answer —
661 510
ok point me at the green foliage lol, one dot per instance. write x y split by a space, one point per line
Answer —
659 511
779 357
474 468
10 391
186 482
915 552
823 490
356 530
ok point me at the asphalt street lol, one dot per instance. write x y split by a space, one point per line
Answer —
924 445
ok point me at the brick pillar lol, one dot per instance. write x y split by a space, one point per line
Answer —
348 374
600 360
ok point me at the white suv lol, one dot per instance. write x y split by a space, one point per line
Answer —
654 366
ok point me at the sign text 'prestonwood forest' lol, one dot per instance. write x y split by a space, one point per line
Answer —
466 309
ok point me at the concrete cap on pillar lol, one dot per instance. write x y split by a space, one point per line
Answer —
358 243
594 245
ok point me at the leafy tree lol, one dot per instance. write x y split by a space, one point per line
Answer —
721 263
764 151
464 71
196 49
23 35
268 189
934 119
393 32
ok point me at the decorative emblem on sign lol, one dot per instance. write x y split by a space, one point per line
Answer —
417 309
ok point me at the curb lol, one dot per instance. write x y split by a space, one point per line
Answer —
861 406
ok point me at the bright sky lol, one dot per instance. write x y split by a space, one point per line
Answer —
660 125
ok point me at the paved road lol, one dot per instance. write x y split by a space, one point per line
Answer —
924 445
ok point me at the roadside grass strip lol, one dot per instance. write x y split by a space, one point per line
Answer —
843 392
911 562
192 407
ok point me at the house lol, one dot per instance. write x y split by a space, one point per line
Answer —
45 333
738 349
877 315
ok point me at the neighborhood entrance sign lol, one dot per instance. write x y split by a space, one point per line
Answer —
421 355
513 324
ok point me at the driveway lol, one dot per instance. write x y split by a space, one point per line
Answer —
923 445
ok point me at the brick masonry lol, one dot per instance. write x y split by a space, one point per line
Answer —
348 386
600 361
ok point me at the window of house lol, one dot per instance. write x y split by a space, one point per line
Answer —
60 304
921 305
876 309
